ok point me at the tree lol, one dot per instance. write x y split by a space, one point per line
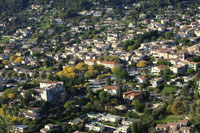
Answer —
190 71
164 62
102 96
69 105
141 64
81 66
126 44
138 105
19 59
119 73
60 66
108 81
177 107
169 35
134 127
11 96
5 62
12 58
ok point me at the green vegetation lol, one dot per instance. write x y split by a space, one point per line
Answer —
135 44
5 39
169 89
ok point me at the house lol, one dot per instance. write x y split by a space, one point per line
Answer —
76 121
157 69
123 129
162 128
184 129
113 90
93 115
33 113
94 126
50 90
19 128
127 121
172 125
110 118
178 69
121 107
183 123
191 65
141 79
49 127
130 95
156 81
107 64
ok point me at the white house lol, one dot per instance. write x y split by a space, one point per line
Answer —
33 113
141 79
95 127
178 68
123 129
156 81
47 128
108 64
19 128
113 90
93 115
110 118
157 69
50 90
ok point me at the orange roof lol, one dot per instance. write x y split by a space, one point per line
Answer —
111 88
183 121
185 128
161 125
90 60
161 67
172 124
131 93
109 62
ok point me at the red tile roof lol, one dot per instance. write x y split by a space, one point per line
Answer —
131 93
111 87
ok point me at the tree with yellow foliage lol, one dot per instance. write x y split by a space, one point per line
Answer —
141 63
11 95
70 69
12 58
90 67
5 62
82 66
86 84
19 59
60 74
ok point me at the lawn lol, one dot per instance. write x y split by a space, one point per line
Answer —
32 40
169 118
169 89
5 39
45 69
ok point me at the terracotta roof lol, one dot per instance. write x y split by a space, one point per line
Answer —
161 125
142 77
90 60
185 128
173 131
172 124
111 87
131 93
109 62
161 67
183 121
